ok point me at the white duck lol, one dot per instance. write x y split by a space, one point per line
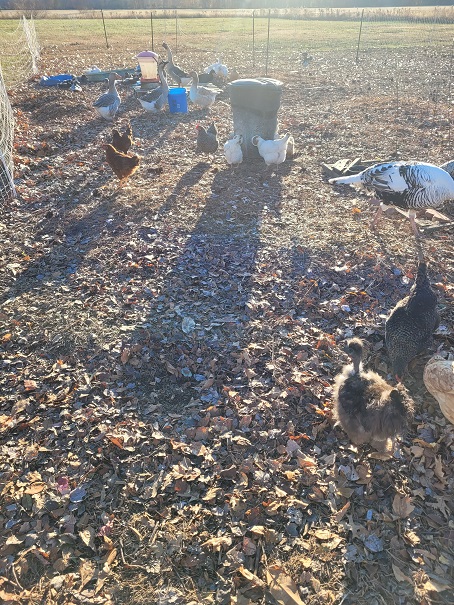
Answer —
108 103
201 95
407 185
232 150
273 151
219 69
156 99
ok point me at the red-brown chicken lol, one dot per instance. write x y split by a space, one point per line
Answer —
122 164
122 142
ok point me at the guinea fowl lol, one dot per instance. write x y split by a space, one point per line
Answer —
122 142
176 73
207 139
156 99
410 325
233 151
407 185
439 381
108 103
366 406
123 165
273 151
201 95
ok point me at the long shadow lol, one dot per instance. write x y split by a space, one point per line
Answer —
203 300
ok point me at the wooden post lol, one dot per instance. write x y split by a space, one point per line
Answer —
151 27
176 31
359 37
253 38
105 32
268 42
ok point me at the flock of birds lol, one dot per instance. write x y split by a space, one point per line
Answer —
274 152
368 408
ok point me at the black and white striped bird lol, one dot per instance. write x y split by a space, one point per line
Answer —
408 185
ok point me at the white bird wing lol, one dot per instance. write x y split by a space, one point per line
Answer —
273 152
385 177
233 151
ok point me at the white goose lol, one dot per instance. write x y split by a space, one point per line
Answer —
407 185
201 95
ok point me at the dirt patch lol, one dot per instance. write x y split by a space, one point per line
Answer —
169 351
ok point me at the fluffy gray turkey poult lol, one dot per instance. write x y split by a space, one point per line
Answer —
410 325
366 406
407 185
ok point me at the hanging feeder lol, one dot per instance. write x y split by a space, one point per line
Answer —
148 62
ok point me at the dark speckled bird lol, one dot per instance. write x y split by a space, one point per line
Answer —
207 139
410 325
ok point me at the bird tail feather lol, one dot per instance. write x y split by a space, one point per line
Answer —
345 180
397 414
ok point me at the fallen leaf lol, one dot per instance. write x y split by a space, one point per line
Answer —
340 513
402 506
35 488
87 571
88 536
250 576
282 587
433 585
30 385
217 543
399 575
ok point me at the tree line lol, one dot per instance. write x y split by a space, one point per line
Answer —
40 5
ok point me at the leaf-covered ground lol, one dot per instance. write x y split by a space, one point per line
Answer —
168 353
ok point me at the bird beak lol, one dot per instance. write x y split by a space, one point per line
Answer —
398 378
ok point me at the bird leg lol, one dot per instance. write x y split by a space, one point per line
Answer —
412 219
419 251
377 216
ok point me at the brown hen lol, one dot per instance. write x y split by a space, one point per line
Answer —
122 142
122 164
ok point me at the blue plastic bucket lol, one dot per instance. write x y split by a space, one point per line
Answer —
178 102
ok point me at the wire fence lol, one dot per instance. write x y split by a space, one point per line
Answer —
7 190
386 60
19 56
19 51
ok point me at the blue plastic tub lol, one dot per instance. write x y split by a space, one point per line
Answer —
178 102
54 80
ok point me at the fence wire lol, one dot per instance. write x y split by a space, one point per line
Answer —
19 52
6 144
